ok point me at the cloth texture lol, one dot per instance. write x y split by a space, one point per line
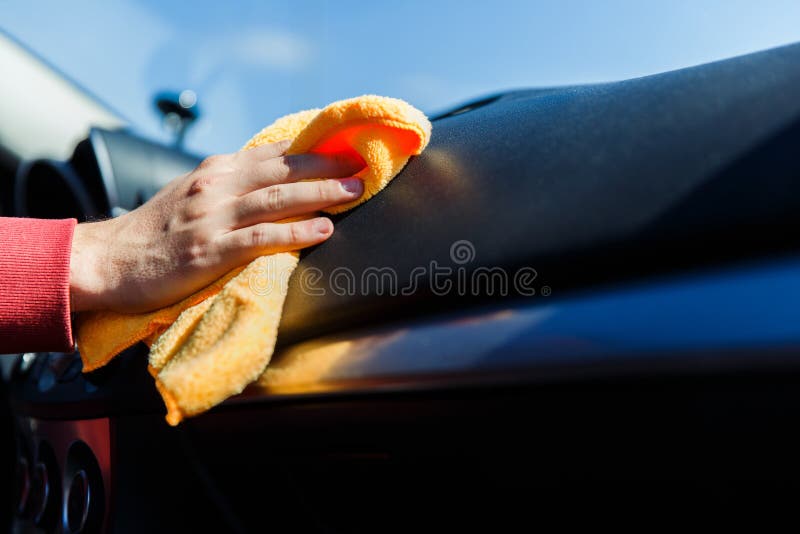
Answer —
34 285
215 342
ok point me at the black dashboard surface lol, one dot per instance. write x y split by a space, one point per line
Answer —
584 184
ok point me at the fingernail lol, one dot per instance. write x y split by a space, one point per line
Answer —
352 185
322 226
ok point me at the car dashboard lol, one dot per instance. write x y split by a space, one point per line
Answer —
647 366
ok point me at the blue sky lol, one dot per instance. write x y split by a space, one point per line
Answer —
252 61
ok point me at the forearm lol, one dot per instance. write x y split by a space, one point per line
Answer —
34 284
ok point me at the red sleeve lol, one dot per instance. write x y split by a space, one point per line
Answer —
34 285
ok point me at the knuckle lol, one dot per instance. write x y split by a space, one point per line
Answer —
296 165
276 199
258 237
277 148
202 184
281 167
195 253
212 161
295 234
325 190
194 211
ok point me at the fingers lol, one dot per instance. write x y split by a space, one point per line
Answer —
268 151
286 169
287 200
269 238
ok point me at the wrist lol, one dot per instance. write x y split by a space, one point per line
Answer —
87 269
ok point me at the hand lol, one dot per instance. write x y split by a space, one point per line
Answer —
203 224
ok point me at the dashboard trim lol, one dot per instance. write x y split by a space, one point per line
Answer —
104 165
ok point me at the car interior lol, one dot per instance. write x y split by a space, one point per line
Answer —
647 372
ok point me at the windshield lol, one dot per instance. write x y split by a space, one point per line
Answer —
249 62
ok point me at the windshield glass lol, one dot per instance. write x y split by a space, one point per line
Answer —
249 62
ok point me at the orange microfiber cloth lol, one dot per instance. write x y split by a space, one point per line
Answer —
215 342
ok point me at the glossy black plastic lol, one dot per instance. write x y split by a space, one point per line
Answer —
585 184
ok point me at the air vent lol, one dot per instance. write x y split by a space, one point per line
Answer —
50 189
84 496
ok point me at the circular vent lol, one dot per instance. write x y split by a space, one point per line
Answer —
50 189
